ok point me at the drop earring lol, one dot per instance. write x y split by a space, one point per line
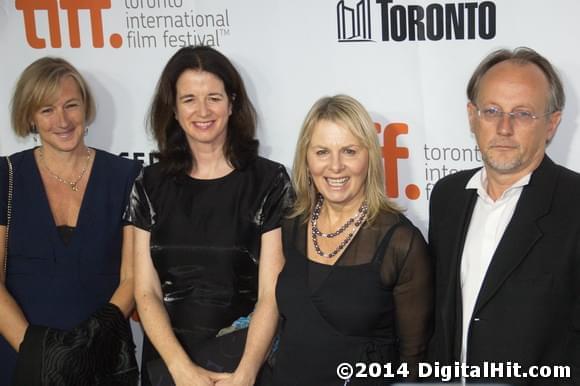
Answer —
34 132
86 131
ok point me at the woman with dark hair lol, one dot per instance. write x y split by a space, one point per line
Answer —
66 287
208 225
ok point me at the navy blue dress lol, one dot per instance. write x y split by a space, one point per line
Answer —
56 284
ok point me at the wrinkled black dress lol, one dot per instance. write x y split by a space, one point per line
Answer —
373 305
205 243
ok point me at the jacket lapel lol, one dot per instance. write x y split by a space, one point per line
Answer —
456 224
522 232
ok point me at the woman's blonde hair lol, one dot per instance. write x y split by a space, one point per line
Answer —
38 84
348 112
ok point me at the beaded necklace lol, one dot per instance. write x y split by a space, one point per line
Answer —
355 221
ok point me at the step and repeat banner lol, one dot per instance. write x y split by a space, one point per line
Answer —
408 62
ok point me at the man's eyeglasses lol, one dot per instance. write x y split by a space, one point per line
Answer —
519 117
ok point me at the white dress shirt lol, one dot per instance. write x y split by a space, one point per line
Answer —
488 223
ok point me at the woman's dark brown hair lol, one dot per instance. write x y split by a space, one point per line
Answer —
174 152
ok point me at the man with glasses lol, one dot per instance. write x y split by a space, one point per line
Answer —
506 237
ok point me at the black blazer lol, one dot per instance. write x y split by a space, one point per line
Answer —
528 308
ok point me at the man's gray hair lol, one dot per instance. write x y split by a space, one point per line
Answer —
520 55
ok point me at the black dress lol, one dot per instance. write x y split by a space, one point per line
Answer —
373 305
205 243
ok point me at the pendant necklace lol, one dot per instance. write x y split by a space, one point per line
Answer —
73 184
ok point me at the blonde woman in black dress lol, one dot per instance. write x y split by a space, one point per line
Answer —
357 283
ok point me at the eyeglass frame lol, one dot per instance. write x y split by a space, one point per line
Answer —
513 115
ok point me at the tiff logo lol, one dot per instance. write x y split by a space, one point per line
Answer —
30 9
392 153
354 24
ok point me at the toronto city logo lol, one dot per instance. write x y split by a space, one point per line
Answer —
72 8
414 22
354 24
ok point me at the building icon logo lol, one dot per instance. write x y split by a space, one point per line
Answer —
354 24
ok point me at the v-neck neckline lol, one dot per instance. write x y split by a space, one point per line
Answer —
82 208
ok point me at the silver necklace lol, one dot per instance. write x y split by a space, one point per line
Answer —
357 220
73 184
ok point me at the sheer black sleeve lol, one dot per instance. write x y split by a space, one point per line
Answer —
3 190
277 201
139 212
407 267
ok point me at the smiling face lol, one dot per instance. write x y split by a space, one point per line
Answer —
61 122
509 148
338 164
202 108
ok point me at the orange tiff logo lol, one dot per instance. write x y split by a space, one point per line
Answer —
72 8
391 154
